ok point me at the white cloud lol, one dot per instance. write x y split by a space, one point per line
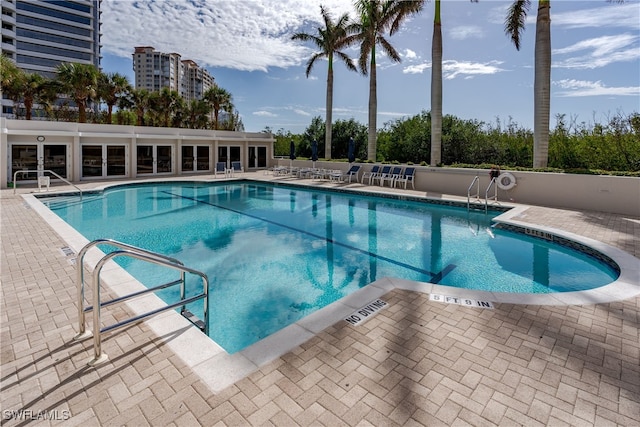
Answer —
301 112
393 114
452 69
409 54
581 88
244 35
608 15
600 51
466 32
416 69
263 113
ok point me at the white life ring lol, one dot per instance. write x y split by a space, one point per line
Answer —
506 181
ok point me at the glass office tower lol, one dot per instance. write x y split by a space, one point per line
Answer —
39 35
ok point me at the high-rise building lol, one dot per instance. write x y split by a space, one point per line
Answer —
195 80
40 35
156 70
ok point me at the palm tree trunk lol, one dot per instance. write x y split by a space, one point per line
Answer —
82 112
373 108
328 124
28 106
436 89
542 86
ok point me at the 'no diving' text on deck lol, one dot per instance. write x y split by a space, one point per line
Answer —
365 312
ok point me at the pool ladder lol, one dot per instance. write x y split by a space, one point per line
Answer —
125 250
476 182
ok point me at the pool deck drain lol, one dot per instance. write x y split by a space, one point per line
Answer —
417 361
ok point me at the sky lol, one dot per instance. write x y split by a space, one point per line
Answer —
246 46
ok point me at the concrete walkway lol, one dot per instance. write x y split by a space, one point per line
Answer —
418 362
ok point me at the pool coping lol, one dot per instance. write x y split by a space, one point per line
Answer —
218 369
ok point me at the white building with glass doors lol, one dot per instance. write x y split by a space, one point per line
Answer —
83 151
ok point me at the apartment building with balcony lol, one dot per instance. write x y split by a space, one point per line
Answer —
155 70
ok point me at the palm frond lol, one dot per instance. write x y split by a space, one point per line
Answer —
515 22
348 61
388 49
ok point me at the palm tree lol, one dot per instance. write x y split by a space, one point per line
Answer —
49 97
8 72
436 88
329 40
32 88
219 99
140 101
112 87
514 26
11 81
232 122
195 115
376 18
80 82
166 104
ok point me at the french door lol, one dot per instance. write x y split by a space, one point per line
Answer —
103 160
37 157
257 157
196 158
154 159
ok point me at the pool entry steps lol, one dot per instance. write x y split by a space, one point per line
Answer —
125 250
474 201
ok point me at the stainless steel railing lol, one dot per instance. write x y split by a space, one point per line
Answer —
15 177
143 255
476 181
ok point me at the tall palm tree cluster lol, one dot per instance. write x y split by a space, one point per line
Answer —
77 88
377 18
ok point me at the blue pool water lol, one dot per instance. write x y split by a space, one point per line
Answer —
274 253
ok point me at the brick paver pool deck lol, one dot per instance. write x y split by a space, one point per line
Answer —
417 362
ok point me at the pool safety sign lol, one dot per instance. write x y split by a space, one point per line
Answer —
460 301
366 312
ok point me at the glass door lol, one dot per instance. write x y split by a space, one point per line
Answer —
257 157
116 160
203 162
145 162
24 157
55 159
228 155
102 160
92 161
164 163
195 158
38 156
154 159
187 158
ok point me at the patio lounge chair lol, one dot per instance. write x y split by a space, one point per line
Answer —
354 170
221 168
236 167
407 176
369 175
386 170
335 175
392 176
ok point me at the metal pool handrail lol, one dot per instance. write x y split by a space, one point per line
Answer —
15 177
143 255
476 181
486 193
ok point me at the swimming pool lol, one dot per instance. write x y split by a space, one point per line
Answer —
276 253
